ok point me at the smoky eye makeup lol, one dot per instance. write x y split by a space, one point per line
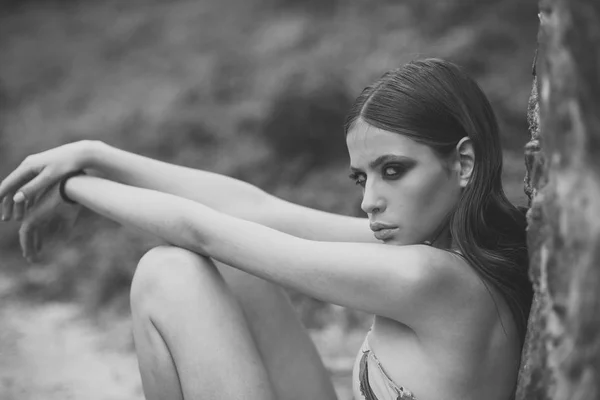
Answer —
394 171
390 167
389 172
358 178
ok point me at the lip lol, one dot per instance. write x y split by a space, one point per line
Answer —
377 226
385 234
383 231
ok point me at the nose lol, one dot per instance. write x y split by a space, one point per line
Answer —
372 202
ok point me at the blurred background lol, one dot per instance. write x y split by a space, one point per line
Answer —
255 89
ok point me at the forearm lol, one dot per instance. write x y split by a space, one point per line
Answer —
326 271
225 194
220 192
161 214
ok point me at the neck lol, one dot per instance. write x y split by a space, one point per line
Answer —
441 239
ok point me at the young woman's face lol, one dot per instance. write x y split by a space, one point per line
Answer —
407 189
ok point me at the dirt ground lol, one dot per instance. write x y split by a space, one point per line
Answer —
49 352
53 352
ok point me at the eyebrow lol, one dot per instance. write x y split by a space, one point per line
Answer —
386 158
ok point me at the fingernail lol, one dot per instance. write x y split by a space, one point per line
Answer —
19 197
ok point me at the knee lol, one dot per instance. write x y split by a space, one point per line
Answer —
164 273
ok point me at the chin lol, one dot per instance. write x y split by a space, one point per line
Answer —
393 242
401 241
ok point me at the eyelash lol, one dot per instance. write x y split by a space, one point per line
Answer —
356 176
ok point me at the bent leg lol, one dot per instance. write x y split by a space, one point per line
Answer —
184 315
190 334
290 357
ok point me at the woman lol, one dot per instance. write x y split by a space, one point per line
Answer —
441 260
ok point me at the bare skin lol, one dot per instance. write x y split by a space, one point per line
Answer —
454 349
272 351
437 331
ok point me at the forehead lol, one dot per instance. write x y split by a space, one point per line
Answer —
366 142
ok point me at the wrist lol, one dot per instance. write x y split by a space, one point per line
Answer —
93 154
63 183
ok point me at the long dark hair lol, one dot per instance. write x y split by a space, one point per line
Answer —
435 103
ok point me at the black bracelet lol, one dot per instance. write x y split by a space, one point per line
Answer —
63 181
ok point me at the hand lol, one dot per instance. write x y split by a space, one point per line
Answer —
37 173
39 221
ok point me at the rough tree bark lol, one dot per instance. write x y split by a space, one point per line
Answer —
561 358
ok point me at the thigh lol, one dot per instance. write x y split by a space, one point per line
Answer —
294 366
191 335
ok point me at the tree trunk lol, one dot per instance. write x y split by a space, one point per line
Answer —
561 358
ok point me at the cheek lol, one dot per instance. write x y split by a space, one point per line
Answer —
425 189
427 199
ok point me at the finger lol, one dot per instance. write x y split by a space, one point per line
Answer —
25 239
19 210
33 245
29 244
26 208
7 208
38 184
30 252
20 175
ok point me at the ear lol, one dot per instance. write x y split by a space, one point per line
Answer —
466 160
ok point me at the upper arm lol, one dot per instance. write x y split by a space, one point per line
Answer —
309 223
403 283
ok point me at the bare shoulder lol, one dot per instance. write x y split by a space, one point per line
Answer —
445 268
449 285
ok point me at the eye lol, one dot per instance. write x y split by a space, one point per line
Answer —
359 179
392 171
